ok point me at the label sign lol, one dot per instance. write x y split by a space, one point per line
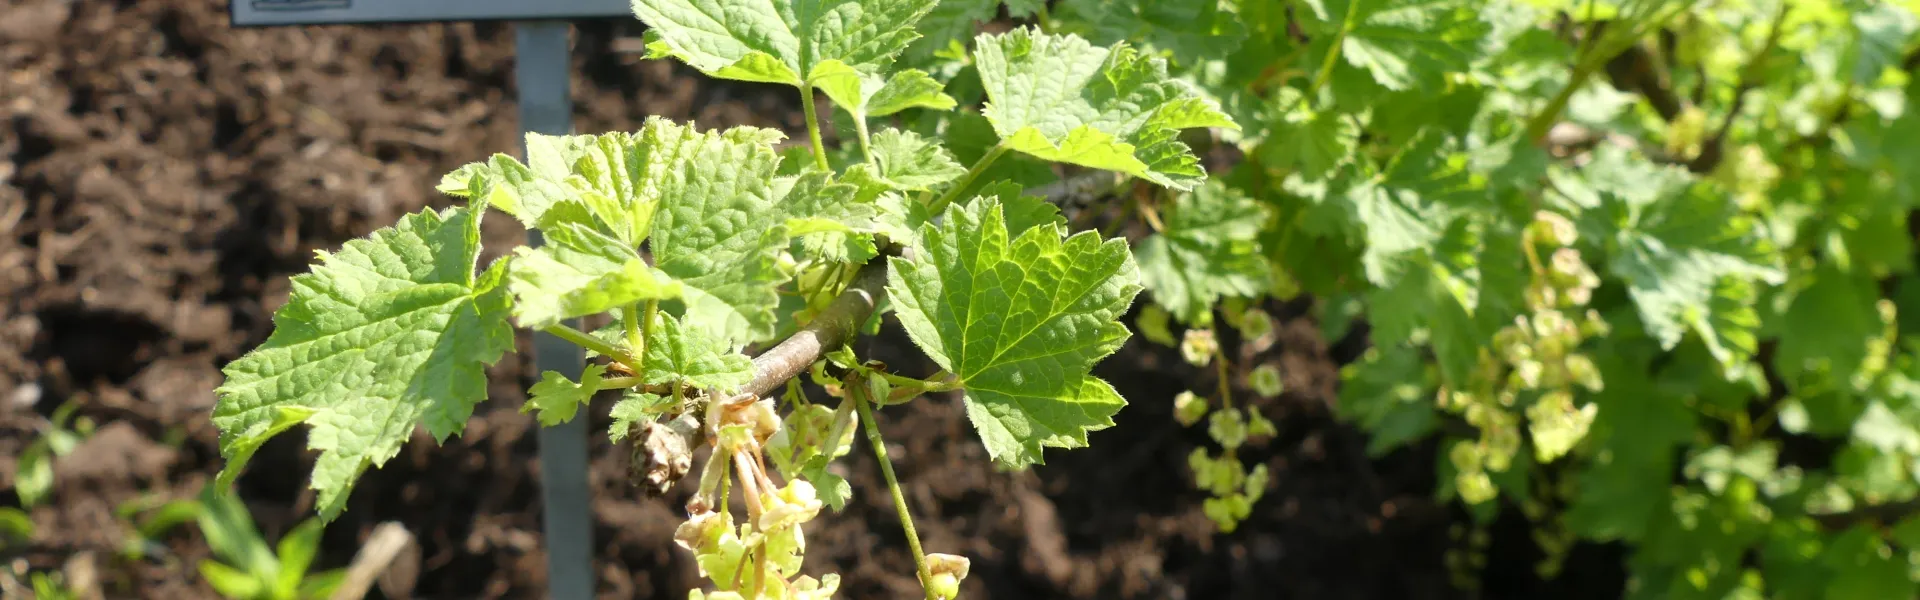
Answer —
315 12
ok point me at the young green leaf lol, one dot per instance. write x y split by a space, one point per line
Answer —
834 221
1062 99
909 162
1019 319
1639 429
865 95
719 229
1209 248
633 408
580 272
505 183
557 398
393 330
610 176
795 42
685 355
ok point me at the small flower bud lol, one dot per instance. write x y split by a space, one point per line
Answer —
1552 229
1198 347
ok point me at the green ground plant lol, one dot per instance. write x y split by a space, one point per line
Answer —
58 435
245 566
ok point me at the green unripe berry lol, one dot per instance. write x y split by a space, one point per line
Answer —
1228 427
944 587
1265 380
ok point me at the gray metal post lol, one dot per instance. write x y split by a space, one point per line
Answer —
541 71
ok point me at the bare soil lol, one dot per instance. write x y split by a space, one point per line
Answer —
165 173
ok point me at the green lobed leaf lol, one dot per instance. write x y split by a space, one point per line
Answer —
606 181
1390 393
907 161
1310 142
1637 434
557 399
633 408
1693 264
1191 32
865 95
949 22
1885 31
1427 296
835 220
719 228
1402 44
1062 99
1831 325
1210 248
505 183
1409 208
394 330
780 41
685 355
579 272
1020 319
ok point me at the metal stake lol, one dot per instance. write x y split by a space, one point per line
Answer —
541 71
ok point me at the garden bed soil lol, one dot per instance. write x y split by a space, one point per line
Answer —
165 174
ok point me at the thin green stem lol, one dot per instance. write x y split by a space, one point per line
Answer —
638 323
639 343
630 320
813 128
619 383
1333 50
1600 46
842 419
860 400
581 339
1543 121
866 143
1226 379
940 382
966 181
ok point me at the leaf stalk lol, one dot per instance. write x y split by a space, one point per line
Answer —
866 144
1333 51
966 181
581 339
813 128
858 395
